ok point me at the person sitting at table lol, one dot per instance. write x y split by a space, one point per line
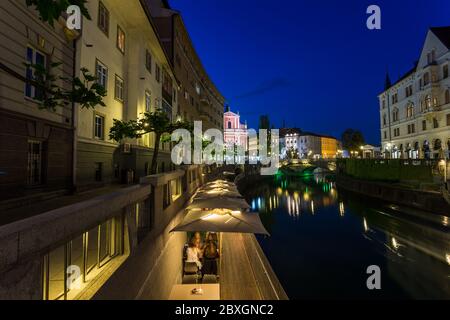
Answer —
211 237
193 253
198 237
210 255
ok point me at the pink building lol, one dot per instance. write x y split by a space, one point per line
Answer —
234 131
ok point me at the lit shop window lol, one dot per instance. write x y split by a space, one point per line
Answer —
69 268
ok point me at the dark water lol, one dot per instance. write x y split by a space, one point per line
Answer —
323 239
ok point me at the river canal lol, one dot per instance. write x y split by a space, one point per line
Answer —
323 239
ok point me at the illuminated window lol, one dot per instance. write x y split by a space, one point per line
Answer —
118 92
120 40
103 18
148 101
82 259
99 127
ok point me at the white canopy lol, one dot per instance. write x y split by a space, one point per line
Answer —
221 202
222 221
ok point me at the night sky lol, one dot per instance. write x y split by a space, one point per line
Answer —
313 64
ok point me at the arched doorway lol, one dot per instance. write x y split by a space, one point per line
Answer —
426 149
437 146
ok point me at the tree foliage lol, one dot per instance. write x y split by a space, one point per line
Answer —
157 122
52 93
352 140
51 10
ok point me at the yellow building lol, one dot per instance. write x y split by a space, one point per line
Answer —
329 147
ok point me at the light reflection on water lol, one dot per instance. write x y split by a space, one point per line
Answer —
323 240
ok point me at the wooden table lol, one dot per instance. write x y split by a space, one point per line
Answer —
183 292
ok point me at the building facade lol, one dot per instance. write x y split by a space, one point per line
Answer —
199 99
128 59
298 144
415 110
35 144
234 132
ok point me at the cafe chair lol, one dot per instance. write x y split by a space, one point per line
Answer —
190 268
190 279
209 278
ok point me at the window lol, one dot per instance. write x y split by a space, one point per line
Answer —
385 135
424 125
408 91
395 115
445 71
89 252
103 18
157 73
102 74
396 132
229 125
383 104
34 163
448 119
148 101
394 98
148 61
120 40
98 173
435 123
447 96
411 128
410 110
118 92
426 78
431 56
34 57
99 127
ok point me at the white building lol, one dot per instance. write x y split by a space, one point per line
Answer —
415 111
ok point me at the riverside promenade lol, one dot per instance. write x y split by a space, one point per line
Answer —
121 242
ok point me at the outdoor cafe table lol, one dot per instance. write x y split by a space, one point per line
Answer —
184 292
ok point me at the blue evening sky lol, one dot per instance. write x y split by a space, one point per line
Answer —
313 64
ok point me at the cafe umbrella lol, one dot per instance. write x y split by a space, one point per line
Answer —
221 202
221 220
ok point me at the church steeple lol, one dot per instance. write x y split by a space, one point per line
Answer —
387 81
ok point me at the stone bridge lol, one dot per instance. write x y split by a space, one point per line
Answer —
308 166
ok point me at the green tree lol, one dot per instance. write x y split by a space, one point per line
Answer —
352 140
51 10
157 122
86 91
